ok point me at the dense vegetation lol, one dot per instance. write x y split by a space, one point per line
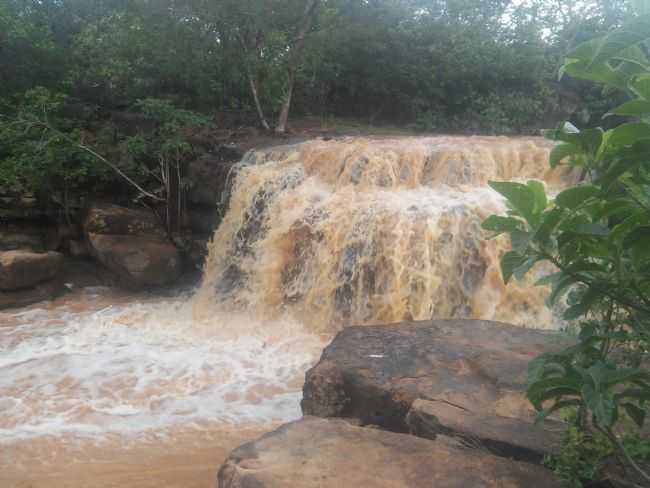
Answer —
597 236
68 68
445 64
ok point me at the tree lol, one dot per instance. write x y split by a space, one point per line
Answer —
294 58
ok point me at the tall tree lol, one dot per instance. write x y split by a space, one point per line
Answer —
295 56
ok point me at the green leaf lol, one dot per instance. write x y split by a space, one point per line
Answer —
601 403
641 86
560 287
520 241
583 307
620 231
550 220
558 405
631 34
600 72
638 242
563 151
585 141
574 197
496 223
522 198
536 369
539 191
521 271
545 389
618 376
624 135
573 312
562 133
633 108
591 229
509 262
636 413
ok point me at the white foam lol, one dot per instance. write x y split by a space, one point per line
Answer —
146 366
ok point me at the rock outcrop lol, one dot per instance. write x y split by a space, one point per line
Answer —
25 269
332 453
25 277
420 404
132 244
461 378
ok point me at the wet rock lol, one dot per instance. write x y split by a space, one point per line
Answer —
209 175
28 296
114 219
468 375
133 245
138 261
24 269
509 437
323 453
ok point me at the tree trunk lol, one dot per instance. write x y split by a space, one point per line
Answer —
311 7
258 106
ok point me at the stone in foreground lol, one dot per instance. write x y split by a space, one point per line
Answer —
332 453
463 378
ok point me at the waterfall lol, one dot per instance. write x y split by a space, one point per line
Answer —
365 231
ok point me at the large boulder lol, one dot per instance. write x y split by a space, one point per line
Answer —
320 453
454 377
132 244
24 269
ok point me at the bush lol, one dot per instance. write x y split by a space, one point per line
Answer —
597 235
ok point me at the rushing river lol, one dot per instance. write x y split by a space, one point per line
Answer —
101 388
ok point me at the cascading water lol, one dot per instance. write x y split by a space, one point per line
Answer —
374 231
316 237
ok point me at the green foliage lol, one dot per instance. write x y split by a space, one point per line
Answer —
511 114
448 65
36 160
581 455
597 236
169 147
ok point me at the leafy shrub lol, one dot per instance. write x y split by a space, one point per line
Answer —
35 159
169 146
597 235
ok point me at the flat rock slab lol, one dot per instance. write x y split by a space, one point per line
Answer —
332 453
469 376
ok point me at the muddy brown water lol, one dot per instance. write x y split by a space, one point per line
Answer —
101 388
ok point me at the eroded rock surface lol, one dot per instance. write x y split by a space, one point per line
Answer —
332 453
462 378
